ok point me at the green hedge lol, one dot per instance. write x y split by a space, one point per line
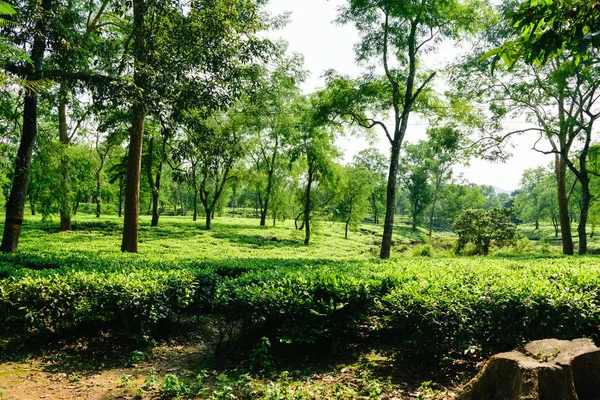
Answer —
435 307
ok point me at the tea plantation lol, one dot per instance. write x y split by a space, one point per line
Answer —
262 296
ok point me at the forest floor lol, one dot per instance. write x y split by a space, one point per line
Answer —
107 365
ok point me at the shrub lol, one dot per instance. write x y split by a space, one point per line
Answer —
485 228
424 250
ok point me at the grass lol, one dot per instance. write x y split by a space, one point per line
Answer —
264 312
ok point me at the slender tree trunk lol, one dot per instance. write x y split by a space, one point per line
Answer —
307 205
98 194
208 219
435 197
65 179
390 209
120 197
374 205
556 225
274 217
195 204
346 233
156 198
32 204
77 201
136 143
586 199
563 206
269 189
537 224
180 199
15 206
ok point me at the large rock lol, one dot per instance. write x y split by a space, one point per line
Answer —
548 369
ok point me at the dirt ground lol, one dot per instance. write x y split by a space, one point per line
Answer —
104 368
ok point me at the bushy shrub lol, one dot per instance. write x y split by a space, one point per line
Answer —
485 228
424 250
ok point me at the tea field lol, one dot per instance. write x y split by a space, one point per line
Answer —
248 312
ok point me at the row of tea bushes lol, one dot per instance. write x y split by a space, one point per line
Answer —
434 307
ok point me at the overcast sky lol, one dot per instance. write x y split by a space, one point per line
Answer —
325 45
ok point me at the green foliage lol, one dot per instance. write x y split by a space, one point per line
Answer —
176 387
358 184
424 250
276 300
545 29
484 228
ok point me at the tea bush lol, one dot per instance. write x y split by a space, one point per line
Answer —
289 294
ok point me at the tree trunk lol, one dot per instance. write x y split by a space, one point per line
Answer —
563 205
136 143
435 197
156 197
65 179
77 201
15 206
208 219
390 209
307 204
537 224
586 198
120 197
346 233
32 204
180 199
98 194
195 204
263 215
374 206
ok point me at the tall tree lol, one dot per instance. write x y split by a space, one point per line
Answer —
356 187
314 147
40 15
377 163
395 35
415 176
215 144
271 119
203 57
444 149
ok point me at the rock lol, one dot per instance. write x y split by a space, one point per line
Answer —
548 369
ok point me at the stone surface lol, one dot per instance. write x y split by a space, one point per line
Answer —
548 369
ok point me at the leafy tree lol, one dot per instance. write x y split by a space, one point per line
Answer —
212 147
40 17
485 228
272 121
444 149
454 199
415 176
313 146
377 163
557 99
201 59
356 188
546 29
528 201
394 35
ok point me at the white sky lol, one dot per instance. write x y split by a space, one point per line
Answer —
325 45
